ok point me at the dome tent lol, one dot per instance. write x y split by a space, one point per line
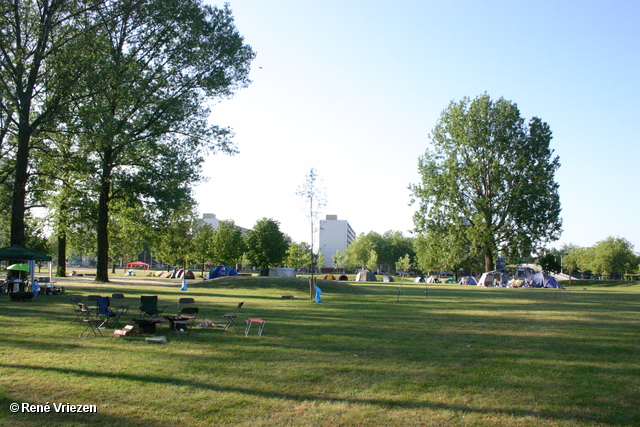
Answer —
541 280
488 278
365 276
222 271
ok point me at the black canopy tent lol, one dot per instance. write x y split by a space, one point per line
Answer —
20 253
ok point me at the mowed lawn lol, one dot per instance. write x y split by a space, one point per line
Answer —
370 354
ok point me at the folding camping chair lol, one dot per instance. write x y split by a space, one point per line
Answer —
123 308
93 298
185 325
93 324
231 317
105 312
181 306
149 306
75 299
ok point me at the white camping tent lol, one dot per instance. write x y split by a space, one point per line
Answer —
282 272
366 276
488 278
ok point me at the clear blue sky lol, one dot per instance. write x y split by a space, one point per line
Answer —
353 88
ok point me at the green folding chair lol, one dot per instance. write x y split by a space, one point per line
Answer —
149 306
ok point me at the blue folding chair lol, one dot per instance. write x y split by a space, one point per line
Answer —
106 313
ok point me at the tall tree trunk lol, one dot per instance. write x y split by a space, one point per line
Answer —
20 184
488 261
26 78
102 229
61 270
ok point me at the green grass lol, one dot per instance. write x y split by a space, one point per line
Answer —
459 355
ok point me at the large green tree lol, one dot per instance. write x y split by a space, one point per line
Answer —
494 174
143 120
174 239
228 243
612 256
266 245
130 233
298 255
550 262
358 253
339 259
203 244
449 251
41 61
574 260
394 245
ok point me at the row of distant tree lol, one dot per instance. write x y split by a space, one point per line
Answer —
185 240
612 257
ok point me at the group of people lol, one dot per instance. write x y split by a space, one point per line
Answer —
13 284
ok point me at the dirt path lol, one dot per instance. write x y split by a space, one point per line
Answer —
117 280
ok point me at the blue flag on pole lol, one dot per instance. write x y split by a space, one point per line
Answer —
318 292
184 285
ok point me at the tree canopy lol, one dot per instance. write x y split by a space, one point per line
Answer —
373 250
228 243
358 254
145 126
445 251
611 257
40 65
490 177
116 94
267 245
298 255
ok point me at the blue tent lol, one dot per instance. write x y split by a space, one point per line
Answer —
468 280
541 280
222 271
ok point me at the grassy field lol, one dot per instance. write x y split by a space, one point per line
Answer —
369 355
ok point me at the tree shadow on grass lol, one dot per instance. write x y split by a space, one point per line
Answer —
66 419
387 404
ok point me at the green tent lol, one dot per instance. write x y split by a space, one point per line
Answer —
20 253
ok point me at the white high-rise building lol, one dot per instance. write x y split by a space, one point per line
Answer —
210 219
335 235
